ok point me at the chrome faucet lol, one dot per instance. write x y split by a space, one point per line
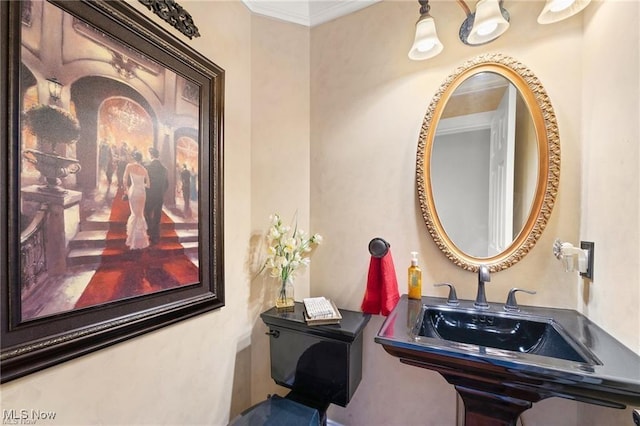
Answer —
483 277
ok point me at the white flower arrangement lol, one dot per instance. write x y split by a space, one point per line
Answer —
288 249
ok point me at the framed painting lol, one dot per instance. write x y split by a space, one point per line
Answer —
111 216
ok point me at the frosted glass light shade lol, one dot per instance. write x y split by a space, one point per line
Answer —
426 44
557 10
488 24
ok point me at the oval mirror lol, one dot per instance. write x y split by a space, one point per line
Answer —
488 163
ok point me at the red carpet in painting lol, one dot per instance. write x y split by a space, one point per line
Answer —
126 273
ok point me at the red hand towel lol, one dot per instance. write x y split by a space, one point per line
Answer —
382 286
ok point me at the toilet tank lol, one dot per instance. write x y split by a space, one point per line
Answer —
321 364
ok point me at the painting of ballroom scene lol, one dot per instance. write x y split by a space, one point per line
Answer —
109 166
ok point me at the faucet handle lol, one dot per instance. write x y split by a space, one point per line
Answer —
512 304
452 299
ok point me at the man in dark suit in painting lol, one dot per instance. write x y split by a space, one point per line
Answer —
185 178
155 193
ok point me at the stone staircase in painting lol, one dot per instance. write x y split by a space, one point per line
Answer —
102 241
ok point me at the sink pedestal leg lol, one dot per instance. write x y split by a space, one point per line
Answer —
489 409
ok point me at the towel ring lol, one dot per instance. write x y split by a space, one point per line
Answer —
378 247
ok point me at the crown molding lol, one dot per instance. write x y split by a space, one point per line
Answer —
308 13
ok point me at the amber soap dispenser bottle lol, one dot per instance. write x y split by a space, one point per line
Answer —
415 278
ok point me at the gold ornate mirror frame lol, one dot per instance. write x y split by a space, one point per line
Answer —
548 147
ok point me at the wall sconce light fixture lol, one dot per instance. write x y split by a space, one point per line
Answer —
55 89
488 22
426 43
557 10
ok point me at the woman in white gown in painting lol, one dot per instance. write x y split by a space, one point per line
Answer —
137 237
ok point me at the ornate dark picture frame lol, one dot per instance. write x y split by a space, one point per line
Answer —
174 14
117 76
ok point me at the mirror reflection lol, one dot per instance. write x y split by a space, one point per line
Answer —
484 152
488 163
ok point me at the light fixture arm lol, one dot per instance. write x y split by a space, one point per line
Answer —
467 10
464 7
424 7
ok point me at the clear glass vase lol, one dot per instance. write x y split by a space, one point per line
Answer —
284 297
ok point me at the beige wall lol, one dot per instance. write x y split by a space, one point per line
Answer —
279 162
368 102
610 213
205 370
610 180
182 374
326 121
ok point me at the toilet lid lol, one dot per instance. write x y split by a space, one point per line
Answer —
278 411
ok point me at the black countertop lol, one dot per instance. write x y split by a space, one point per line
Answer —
614 380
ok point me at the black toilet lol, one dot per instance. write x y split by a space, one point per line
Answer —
322 365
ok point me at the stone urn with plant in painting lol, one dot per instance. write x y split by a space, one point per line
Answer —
51 126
